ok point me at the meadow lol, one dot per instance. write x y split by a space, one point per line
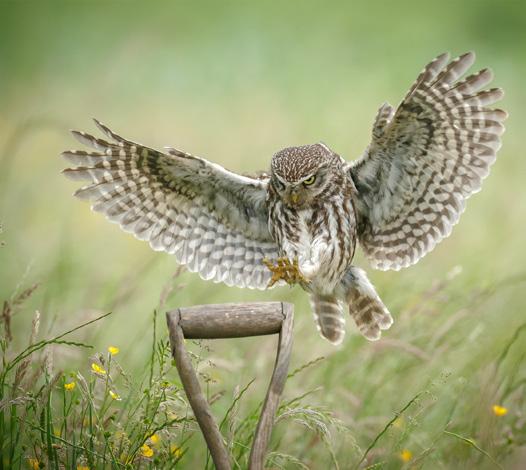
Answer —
87 380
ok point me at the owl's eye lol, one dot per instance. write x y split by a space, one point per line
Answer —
309 180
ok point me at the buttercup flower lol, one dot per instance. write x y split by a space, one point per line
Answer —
499 410
115 396
146 450
69 386
154 439
113 350
97 369
33 464
406 455
175 450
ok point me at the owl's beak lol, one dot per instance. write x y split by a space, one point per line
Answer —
293 197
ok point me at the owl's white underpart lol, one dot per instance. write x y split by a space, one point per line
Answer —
398 200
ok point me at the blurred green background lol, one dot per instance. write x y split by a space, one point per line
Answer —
234 82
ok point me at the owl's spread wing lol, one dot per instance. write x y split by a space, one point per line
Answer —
213 221
425 159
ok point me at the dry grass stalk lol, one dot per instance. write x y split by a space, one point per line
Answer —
12 306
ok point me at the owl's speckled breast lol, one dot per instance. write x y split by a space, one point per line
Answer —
321 238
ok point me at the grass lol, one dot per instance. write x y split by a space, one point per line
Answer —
100 416
234 83
104 418
52 419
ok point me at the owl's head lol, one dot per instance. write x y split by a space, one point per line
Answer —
300 175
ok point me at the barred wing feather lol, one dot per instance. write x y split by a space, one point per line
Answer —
213 221
425 159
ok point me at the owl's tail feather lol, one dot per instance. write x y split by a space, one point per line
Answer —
328 315
365 306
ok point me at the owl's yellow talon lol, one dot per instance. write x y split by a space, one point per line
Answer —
284 270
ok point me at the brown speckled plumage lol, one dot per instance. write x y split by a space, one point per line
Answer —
304 217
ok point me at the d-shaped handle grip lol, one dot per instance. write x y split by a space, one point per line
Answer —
232 320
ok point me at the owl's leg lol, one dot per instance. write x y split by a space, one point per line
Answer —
328 315
365 306
285 270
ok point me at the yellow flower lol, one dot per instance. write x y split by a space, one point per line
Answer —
115 396
406 455
113 350
175 450
33 464
69 386
154 439
146 450
82 467
499 410
97 369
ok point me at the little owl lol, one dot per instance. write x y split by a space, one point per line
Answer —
301 223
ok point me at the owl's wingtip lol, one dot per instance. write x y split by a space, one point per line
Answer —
468 54
101 127
442 58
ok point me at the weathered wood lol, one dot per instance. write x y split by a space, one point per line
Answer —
231 320
197 400
277 383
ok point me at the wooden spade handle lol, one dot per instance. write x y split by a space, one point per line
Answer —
232 321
